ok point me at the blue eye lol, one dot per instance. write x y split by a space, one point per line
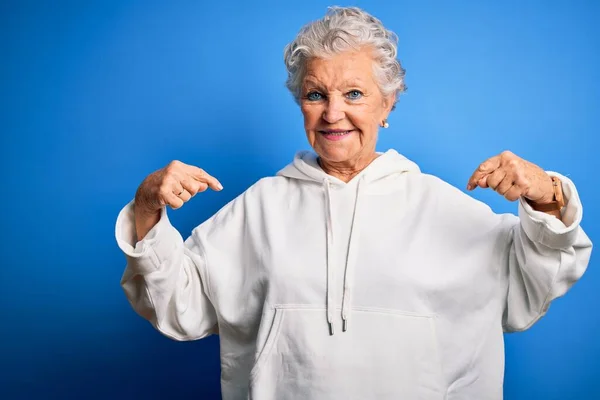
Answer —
354 94
314 96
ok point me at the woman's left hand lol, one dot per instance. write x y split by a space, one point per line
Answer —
513 177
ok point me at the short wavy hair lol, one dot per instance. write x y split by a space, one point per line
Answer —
343 29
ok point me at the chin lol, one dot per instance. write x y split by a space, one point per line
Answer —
336 155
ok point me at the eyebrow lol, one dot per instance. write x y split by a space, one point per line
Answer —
311 81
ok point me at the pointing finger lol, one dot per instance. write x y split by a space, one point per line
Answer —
202 176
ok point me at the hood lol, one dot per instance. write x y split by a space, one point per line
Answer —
305 167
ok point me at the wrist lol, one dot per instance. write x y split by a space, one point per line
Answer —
145 220
553 205
144 212
142 209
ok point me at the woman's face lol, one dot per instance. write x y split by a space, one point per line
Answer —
343 107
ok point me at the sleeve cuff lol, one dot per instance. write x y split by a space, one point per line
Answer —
158 244
549 230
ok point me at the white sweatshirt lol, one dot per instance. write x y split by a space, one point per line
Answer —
395 285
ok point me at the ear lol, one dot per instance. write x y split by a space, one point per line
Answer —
388 105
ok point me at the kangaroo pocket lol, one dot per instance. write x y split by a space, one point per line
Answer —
384 354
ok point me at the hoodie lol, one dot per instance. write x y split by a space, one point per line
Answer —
395 285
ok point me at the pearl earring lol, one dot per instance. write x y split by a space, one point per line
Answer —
385 124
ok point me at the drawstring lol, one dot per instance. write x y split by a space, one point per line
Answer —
351 259
329 228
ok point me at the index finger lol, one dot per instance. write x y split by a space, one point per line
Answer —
202 176
484 169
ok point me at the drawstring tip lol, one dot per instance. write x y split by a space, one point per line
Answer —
330 328
345 325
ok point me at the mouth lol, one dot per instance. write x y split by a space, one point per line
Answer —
335 134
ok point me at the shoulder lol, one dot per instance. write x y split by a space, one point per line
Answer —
453 204
267 187
249 203
264 194
433 185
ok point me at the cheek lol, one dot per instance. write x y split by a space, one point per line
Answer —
311 116
365 118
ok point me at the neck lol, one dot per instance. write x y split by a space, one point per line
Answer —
346 170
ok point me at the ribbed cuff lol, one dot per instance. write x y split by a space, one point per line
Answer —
158 244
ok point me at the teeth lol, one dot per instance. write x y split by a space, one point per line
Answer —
338 133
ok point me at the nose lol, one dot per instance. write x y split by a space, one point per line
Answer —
334 110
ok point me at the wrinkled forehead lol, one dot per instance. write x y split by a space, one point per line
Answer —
341 70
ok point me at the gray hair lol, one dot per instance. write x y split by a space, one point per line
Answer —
342 29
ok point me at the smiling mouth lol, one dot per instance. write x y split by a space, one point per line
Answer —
335 132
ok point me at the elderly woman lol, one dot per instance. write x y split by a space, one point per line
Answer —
351 274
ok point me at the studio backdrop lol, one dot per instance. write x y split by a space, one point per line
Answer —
96 95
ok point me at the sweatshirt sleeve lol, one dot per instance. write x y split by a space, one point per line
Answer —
164 278
546 257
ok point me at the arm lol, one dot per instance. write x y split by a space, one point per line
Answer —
164 278
546 256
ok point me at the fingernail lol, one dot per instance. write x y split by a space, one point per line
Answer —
220 186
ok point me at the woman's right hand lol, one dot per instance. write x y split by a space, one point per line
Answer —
172 185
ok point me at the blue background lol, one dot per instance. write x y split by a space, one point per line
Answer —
95 95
